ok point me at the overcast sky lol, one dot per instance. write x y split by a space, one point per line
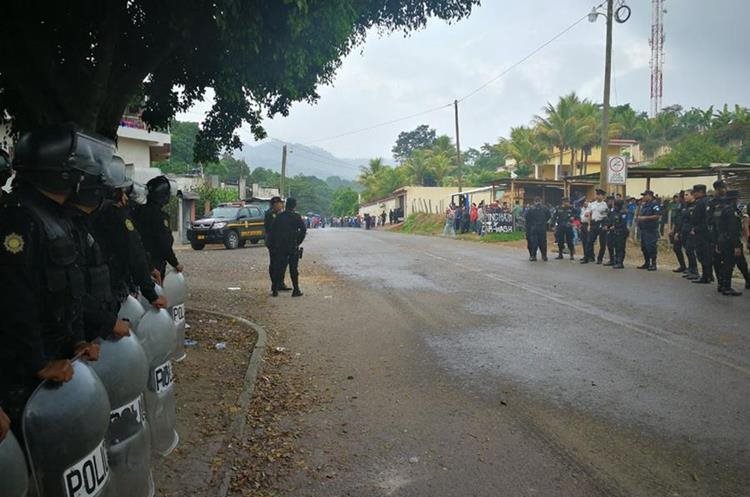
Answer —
707 44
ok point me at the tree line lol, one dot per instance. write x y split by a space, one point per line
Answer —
567 130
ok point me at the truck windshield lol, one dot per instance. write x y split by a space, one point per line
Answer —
224 213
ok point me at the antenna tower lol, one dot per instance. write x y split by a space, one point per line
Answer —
657 54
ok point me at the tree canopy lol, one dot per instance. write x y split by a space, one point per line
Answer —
80 62
420 138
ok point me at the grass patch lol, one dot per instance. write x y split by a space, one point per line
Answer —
513 236
422 224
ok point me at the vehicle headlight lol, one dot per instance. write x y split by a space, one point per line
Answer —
218 226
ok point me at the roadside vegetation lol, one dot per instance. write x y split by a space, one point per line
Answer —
422 223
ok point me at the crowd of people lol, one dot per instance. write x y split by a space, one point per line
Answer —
706 230
472 217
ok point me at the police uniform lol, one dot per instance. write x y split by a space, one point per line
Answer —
268 220
619 235
728 227
678 245
289 232
153 225
537 218
687 239
703 246
43 285
609 235
649 233
564 230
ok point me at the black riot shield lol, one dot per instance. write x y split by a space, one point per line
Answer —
14 481
175 290
123 368
64 425
132 310
156 332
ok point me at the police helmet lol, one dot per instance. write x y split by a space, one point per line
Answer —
56 157
114 174
158 190
91 191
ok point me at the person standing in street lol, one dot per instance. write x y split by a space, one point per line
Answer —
648 223
687 236
608 228
537 218
153 225
598 212
674 234
729 237
713 216
620 233
701 234
277 206
289 232
562 221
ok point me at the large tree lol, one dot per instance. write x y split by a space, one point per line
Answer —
420 138
85 61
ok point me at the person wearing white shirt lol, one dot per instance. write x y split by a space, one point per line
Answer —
598 212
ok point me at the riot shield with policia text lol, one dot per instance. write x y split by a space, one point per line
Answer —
175 290
123 369
64 427
14 477
157 335
131 310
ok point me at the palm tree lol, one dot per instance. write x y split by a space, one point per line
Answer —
526 148
558 126
441 167
417 166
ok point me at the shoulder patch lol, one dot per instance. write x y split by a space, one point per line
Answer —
129 225
13 243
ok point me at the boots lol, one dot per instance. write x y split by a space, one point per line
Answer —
652 266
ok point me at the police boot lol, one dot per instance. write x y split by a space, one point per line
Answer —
619 265
680 269
559 255
608 263
652 266
731 292
572 256
645 265
297 292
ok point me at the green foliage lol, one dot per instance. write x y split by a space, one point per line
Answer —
421 223
420 138
312 194
513 236
697 150
526 148
215 196
345 202
71 62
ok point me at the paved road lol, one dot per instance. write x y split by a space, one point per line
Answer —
459 368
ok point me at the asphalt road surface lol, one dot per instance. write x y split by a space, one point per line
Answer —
462 369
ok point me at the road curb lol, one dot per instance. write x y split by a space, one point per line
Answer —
237 428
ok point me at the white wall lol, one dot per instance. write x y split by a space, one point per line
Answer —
136 152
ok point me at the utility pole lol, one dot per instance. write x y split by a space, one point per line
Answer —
458 151
283 172
605 107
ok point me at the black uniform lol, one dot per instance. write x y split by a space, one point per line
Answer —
43 287
703 247
537 218
650 233
713 219
288 233
729 236
125 256
564 230
677 242
619 234
153 225
270 217
687 238
609 235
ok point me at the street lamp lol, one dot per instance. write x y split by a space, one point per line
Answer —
621 15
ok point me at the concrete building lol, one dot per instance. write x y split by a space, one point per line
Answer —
583 164
409 200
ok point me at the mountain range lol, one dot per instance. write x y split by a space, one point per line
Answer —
301 159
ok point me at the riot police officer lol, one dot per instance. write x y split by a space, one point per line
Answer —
537 218
686 236
120 242
288 234
562 220
674 235
277 206
700 231
648 223
153 225
619 232
608 229
728 227
42 325
713 215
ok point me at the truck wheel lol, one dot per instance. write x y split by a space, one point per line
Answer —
198 246
232 240
242 243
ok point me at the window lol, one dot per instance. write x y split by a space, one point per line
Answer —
255 212
244 213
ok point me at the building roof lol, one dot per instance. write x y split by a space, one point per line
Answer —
726 170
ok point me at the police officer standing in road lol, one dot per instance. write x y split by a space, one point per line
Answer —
288 234
619 232
608 228
648 223
700 231
42 325
153 225
562 220
729 237
277 206
715 205
537 218
687 236
674 235
598 212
